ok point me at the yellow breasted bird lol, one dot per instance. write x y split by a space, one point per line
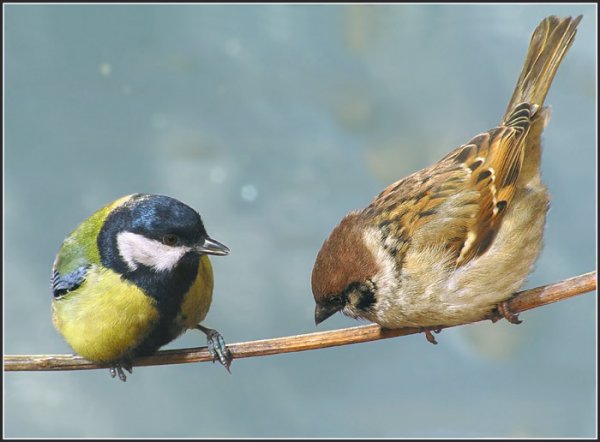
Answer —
133 277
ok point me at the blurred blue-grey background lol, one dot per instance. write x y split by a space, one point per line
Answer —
273 121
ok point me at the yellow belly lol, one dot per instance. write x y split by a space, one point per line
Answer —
105 317
197 300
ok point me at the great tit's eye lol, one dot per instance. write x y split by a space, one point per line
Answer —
170 240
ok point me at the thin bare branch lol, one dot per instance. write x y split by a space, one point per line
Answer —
522 301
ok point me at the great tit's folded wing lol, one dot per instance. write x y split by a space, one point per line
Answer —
61 284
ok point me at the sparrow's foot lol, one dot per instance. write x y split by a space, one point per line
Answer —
495 316
216 346
429 335
507 314
117 368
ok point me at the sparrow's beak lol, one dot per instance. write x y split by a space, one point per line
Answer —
211 247
323 312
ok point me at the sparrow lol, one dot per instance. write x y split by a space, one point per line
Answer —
449 244
131 278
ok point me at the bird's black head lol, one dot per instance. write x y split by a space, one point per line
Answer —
163 219
154 232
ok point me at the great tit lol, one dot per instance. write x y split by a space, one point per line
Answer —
133 277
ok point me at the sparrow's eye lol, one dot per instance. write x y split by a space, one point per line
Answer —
341 300
170 240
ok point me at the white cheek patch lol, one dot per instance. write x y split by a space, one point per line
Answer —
137 249
386 277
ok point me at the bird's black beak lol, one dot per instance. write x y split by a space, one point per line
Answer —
211 247
323 312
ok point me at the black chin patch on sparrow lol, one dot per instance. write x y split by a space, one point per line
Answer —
360 295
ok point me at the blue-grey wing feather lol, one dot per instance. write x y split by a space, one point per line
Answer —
62 284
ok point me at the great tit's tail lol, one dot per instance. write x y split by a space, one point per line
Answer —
549 44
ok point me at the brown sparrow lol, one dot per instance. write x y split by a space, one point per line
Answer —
450 243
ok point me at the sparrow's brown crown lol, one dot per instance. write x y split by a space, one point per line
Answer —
344 259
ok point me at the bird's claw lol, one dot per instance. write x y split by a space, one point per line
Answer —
505 311
429 335
217 347
117 369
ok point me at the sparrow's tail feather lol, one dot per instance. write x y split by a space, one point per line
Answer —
549 44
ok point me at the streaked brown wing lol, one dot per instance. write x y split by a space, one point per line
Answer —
460 200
